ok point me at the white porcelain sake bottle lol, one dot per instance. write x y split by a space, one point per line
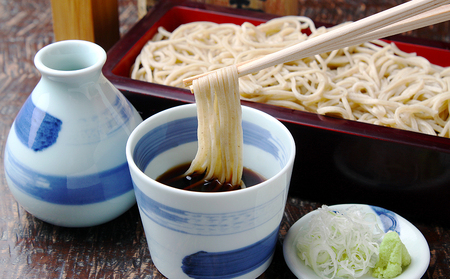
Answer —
65 153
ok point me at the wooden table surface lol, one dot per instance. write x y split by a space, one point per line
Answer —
30 248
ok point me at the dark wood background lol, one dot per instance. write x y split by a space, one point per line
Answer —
30 248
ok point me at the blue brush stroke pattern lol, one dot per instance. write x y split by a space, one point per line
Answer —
181 131
230 264
72 189
35 128
103 123
197 223
388 219
163 138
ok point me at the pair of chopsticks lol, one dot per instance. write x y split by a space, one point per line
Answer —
405 17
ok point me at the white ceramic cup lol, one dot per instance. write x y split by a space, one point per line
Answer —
210 235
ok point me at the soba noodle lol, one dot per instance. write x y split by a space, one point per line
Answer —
374 82
220 138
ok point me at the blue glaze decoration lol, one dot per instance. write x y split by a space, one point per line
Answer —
35 128
230 264
388 219
253 134
94 128
163 138
181 131
195 223
69 190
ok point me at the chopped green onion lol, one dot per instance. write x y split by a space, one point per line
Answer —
340 244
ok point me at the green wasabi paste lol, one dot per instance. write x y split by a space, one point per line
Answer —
393 257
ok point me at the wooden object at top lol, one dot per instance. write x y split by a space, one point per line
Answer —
91 20
276 7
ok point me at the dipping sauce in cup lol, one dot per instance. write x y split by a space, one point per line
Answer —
210 234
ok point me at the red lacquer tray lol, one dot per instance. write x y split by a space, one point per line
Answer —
338 161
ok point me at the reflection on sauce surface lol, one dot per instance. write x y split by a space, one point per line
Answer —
175 177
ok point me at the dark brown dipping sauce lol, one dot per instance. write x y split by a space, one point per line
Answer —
195 182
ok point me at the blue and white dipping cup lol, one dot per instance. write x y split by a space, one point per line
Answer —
210 235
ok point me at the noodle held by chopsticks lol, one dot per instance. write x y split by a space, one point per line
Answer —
220 138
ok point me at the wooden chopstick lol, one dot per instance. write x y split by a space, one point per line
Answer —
405 17
346 35
434 16
430 17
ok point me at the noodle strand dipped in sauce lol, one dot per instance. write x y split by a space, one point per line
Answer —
218 163
374 82
177 178
219 127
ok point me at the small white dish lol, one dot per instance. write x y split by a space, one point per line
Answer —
413 239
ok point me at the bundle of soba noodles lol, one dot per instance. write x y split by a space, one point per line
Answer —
374 82
220 138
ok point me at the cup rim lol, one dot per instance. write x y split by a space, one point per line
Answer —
132 141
